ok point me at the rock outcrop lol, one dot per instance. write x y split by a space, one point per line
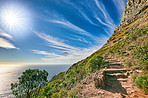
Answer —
134 10
99 80
134 16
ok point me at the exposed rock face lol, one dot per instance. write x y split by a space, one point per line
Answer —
99 80
134 16
132 12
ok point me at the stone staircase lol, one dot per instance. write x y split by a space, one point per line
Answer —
114 64
116 76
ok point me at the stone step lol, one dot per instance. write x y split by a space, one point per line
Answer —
115 74
115 70
117 67
119 79
122 80
112 60
114 64
118 63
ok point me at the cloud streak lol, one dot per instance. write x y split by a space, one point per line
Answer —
108 22
2 33
70 58
6 44
68 24
120 5
45 53
55 42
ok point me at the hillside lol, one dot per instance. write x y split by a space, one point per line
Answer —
128 45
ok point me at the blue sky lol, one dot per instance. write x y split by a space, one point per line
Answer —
56 31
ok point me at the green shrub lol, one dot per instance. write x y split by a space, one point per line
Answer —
55 95
73 93
144 67
51 88
142 82
63 93
133 77
128 64
95 63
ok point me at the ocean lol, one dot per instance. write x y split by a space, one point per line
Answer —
10 73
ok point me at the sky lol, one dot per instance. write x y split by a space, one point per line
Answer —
55 31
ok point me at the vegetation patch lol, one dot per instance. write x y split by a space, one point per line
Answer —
142 82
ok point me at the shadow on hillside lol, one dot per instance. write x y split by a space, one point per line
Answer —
115 86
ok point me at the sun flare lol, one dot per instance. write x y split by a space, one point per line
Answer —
13 18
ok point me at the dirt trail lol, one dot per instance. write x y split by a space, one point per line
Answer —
118 84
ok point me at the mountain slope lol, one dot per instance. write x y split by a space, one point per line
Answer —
128 44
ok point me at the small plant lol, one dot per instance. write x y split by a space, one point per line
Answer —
73 93
128 64
142 82
133 77
63 93
95 63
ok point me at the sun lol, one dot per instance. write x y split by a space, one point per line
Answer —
13 18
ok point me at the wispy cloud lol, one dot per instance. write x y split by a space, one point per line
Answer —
45 53
68 24
108 22
70 58
110 26
104 23
86 17
120 5
101 7
55 42
80 38
6 44
2 33
80 10
76 29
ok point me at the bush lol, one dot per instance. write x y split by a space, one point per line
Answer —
51 88
142 82
144 67
73 93
95 63
54 95
133 77
63 94
128 64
